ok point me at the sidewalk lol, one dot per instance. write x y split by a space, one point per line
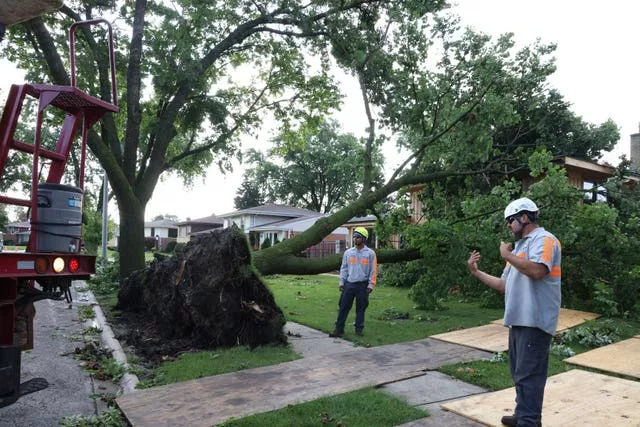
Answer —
425 392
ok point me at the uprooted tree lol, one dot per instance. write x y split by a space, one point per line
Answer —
206 296
461 104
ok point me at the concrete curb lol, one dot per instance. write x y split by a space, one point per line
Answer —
108 340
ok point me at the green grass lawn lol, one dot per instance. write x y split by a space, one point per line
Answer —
390 318
200 364
362 408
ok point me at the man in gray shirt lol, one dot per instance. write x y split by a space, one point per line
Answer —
531 284
358 274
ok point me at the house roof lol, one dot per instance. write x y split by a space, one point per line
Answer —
272 209
211 219
369 219
297 225
589 170
163 223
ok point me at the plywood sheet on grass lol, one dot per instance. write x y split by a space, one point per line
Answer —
620 358
568 318
573 398
213 400
494 338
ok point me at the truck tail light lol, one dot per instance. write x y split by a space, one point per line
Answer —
42 265
74 265
58 264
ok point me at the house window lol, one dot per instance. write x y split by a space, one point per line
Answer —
173 232
594 192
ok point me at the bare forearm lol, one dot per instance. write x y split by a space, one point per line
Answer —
493 282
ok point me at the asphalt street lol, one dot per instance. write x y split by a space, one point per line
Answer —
57 333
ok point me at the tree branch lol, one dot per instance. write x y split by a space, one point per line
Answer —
442 132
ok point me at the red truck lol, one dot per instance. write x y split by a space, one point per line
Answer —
53 257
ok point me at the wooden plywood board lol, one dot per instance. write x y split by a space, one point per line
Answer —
213 400
494 338
568 318
574 398
620 358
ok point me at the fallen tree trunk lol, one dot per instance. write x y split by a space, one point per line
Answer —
205 297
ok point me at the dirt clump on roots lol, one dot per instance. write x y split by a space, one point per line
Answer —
205 297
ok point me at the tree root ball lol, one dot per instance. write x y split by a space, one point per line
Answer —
207 296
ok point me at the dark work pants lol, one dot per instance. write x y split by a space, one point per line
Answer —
529 363
357 291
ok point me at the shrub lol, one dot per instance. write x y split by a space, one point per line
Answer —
149 243
626 291
170 248
266 244
401 274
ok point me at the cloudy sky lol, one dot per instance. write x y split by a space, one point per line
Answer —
598 73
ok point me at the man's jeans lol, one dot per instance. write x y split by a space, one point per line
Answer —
357 291
529 363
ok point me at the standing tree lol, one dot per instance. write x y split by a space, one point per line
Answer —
248 195
317 169
167 217
195 76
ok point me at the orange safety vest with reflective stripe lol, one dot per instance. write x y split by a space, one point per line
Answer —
359 266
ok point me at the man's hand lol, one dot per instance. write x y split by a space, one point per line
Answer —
472 263
341 288
505 249
369 290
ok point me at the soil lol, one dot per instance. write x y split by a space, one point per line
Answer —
205 297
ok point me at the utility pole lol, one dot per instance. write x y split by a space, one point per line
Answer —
105 230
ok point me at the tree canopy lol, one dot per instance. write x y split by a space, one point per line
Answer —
196 76
318 169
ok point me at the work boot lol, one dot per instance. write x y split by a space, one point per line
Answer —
336 334
509 420
512 421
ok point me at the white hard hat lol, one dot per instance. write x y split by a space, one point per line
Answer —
518 206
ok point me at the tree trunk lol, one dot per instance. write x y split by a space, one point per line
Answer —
281 257
131 241
267 262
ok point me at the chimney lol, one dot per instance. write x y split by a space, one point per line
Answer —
635 150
